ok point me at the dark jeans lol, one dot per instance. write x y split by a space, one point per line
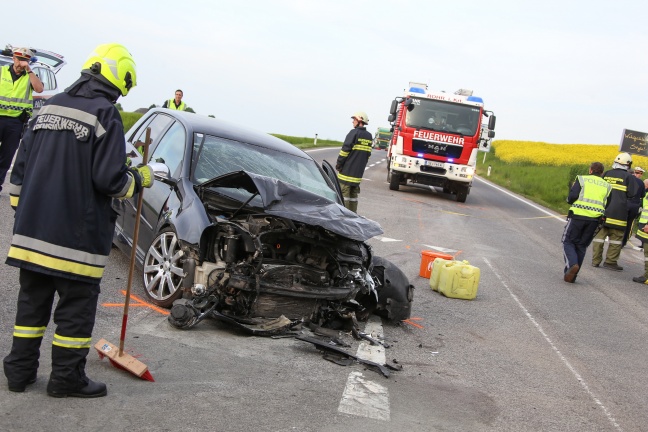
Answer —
10 132
576 239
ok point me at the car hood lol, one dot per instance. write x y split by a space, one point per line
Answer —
291 202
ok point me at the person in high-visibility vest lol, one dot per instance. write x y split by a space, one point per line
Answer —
642 234
588 197
175 103
17 82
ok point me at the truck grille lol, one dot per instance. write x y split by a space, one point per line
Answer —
433 170
437 148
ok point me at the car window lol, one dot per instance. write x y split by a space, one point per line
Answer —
47 77
170 150
214 157
158 123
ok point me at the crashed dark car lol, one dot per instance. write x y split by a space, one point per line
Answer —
243 227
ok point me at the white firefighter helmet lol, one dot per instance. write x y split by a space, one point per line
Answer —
623 159
361 117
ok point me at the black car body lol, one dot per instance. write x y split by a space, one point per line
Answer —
244 227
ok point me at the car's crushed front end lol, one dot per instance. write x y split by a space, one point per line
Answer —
282 257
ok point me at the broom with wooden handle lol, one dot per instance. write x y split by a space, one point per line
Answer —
118 357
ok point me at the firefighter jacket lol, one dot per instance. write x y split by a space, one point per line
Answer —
353 157
171 105
71 162
592 198
623 187
15 96
643 220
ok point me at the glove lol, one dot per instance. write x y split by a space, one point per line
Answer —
146 175
129 162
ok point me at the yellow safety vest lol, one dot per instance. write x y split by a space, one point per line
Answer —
593 196
643 220
171 105
15 96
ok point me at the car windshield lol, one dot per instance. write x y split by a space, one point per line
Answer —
443 116
214 156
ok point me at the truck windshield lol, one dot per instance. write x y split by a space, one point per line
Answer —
444 117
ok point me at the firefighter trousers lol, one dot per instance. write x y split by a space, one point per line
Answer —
74 318
615 237
350 194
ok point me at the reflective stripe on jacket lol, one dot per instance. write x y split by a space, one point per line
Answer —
69 165
15 96
623 187
353 157
593 196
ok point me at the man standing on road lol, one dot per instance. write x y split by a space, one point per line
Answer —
17 82
353 158
69 167
642 234
588 198
634 204
176 103
616 213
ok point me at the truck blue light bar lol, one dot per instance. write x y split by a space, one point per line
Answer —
475 99
416 90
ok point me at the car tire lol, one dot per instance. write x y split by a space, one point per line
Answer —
394 181
162 273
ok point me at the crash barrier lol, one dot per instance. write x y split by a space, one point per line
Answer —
427 258
455 279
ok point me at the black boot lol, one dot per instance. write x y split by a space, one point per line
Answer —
92 389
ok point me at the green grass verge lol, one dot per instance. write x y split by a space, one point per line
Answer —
545 185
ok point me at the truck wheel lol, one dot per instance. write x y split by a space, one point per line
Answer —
394 181
462 194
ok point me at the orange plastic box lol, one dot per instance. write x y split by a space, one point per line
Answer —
427 260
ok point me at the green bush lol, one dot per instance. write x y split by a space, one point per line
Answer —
129 119
546 185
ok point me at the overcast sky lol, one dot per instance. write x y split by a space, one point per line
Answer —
554 71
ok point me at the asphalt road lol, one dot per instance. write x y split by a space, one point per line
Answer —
529 353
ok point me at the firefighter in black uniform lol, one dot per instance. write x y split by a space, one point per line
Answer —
352 160
70 165
616 213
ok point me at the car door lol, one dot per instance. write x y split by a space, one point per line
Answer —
331 174
159 124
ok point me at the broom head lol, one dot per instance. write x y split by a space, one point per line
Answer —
124 361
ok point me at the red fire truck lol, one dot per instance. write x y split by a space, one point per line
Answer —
436 139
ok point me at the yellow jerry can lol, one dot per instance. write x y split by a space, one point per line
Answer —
459 280
436 271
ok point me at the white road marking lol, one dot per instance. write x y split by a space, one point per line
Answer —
440 249
387 239
560 218
571 368
363 397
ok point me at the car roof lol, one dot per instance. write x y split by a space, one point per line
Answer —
197 123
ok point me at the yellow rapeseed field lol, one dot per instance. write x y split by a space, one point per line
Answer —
541 153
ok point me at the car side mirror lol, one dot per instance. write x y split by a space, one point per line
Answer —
491 122
392 109
491 134
391 118
160 170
